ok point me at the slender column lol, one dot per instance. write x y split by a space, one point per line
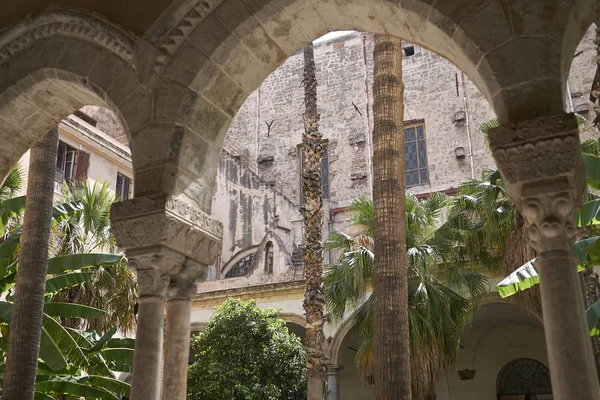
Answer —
540 162
177 338
153 270
332 375
168 242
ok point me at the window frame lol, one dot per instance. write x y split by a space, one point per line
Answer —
119 190
416 125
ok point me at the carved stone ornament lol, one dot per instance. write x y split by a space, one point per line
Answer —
66 22
183 284
162 221
154 268
541 165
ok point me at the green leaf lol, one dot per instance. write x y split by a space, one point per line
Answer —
105 338
593 319
65 342
5 311
71 310
128 343
109 384
73 262
42 396
522 278
121 359
7 251
592 170
50 352
60 212
60 282
14 206
588 214
76 389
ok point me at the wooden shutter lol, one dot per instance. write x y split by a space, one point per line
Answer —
82 165
126 188
60 162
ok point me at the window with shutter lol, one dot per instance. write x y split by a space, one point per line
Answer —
123 187
60 162
82 165
65 163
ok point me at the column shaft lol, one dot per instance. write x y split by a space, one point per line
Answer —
177 349
147 359
569 348
333 382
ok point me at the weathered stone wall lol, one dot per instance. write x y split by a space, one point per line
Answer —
437 94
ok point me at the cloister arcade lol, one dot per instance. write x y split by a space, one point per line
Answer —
176 72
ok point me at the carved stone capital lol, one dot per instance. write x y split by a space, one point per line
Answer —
154 268
541 166
162 221
183 284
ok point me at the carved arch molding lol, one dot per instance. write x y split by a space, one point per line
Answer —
70 23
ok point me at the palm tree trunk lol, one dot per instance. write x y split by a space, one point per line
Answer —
595 91
390 286
26 322
312 216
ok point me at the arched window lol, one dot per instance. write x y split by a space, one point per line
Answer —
241 268
524 379
269 258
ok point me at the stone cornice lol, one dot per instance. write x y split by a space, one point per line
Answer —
68 22
151 221
272 289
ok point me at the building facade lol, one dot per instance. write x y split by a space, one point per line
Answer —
257 197
92 146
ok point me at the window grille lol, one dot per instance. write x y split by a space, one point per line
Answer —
241 268
524 377
269 258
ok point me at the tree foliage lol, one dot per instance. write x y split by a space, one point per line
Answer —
246 353
441 289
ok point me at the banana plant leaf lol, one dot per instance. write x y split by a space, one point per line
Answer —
73 262
50 353
112 385
73 388
65 343
72 310
526 276
64 281
591 164
593 319
119 359
589 214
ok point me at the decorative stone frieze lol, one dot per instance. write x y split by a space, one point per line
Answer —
541 165
162 221
67 22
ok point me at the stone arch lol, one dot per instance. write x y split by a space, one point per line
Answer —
219 52
52 64
336 342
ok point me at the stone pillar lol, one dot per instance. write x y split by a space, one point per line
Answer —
153 269
332 375
169 244
177 338
540 163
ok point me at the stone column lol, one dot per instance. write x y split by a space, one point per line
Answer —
177 338
153 269
540 163
168 243
332 375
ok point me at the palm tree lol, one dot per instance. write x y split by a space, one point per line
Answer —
441 291
113 288
595 90
312 217
26 323
391 342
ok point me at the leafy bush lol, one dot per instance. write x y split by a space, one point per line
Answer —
246 353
